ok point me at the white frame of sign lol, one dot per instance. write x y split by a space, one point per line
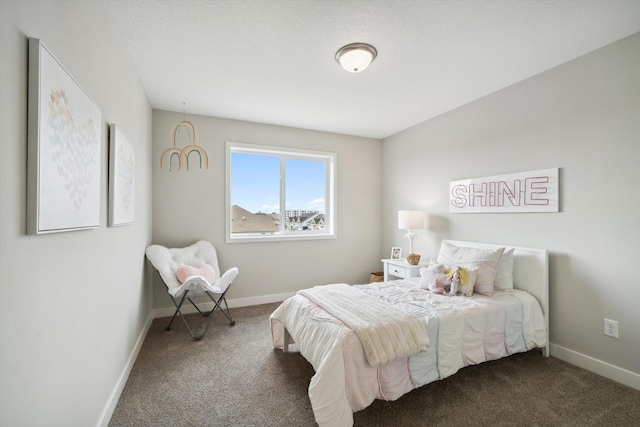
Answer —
534 191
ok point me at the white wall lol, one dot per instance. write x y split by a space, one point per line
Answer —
190 205
583 117
72 305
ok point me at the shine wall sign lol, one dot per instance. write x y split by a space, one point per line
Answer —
535 191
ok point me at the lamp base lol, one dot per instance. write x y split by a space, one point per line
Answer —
413 259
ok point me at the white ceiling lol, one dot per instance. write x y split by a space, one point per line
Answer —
272 61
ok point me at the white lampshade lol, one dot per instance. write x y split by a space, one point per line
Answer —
355 57
410 220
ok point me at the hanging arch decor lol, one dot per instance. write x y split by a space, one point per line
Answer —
183 155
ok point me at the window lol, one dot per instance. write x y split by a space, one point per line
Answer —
279 193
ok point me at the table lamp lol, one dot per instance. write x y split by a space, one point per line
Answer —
411 221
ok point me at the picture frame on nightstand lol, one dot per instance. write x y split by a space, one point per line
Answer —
396 252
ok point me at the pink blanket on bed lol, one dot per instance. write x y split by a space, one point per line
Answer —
463 331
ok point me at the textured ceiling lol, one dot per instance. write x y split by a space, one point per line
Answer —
272 61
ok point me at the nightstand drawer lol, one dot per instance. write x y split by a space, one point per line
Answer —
398 269
400 272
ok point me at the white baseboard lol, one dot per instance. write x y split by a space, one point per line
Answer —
233 303
107 413
599 367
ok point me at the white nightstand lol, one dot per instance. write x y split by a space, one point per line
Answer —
395 269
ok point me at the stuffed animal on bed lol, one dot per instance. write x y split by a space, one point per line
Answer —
434 278
442 279
457 276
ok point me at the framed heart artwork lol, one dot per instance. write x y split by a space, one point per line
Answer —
122 179
64 148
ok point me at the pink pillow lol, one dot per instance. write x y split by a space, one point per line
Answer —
183 273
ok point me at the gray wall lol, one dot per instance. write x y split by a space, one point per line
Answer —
190 205
72 305
583 117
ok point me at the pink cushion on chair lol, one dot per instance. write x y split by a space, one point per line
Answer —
184 272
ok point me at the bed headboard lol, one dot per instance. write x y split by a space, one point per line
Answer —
530 274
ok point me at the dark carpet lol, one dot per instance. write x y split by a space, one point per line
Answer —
233 377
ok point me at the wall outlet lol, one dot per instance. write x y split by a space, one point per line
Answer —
611 328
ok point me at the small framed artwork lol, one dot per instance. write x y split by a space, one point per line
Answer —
64 145
396 253
122 179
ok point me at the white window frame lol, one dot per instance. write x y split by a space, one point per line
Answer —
331 159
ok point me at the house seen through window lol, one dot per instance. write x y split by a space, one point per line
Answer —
279 193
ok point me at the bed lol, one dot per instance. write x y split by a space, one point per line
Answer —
351 368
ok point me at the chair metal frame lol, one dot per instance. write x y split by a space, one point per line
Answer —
208 314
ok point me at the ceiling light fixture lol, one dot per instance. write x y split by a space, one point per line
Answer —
355 57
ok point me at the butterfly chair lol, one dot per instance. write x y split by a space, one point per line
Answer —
193 272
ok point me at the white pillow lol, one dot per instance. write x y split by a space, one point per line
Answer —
486 260
504 277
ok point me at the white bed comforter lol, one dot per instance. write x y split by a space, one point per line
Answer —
462 331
